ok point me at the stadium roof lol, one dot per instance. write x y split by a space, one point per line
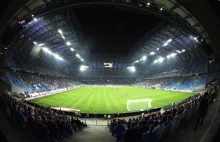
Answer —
61 28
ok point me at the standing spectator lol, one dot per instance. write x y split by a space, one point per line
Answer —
203 109
149 136
118 131
130 135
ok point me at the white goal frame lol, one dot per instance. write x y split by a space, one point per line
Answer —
148 100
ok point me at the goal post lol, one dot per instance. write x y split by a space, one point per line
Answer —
139 105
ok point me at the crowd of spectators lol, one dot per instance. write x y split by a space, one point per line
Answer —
47 83
174 83
42 123
149 127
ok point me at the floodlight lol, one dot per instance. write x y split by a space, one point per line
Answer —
35 19
165 44
173 54
56 56
160 59
77 55
45 49
169 40
35 42
155 61
144 57
60 58
158 48
49 52
60 31
71 49
82 69
68 43
41 44
161 9
152 53
178 51
148 3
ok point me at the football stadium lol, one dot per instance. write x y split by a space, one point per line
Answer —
109 70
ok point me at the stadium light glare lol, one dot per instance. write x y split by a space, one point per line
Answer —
168 56
41 44
131 68
137 61
183 50
78 56
63 37
144 58
178 51
152 53
68 43
158 49
83 68
49 52
81 59
167 42
56 56
60 31
35 19
173 54
45 49
155 61
71 49
161 59
35 42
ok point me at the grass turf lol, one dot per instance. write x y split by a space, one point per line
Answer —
107 100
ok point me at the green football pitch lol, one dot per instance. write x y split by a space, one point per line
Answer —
111 99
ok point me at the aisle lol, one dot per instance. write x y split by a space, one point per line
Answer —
93 134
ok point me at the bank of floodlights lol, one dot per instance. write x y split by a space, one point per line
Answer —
45 49
83 68
131 69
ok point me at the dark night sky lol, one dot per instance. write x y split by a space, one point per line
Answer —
110 30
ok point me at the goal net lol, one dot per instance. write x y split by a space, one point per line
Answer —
138 105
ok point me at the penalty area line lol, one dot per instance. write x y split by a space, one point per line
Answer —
78 101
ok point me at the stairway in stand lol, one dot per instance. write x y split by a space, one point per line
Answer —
93 134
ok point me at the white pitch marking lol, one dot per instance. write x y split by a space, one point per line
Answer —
79 101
